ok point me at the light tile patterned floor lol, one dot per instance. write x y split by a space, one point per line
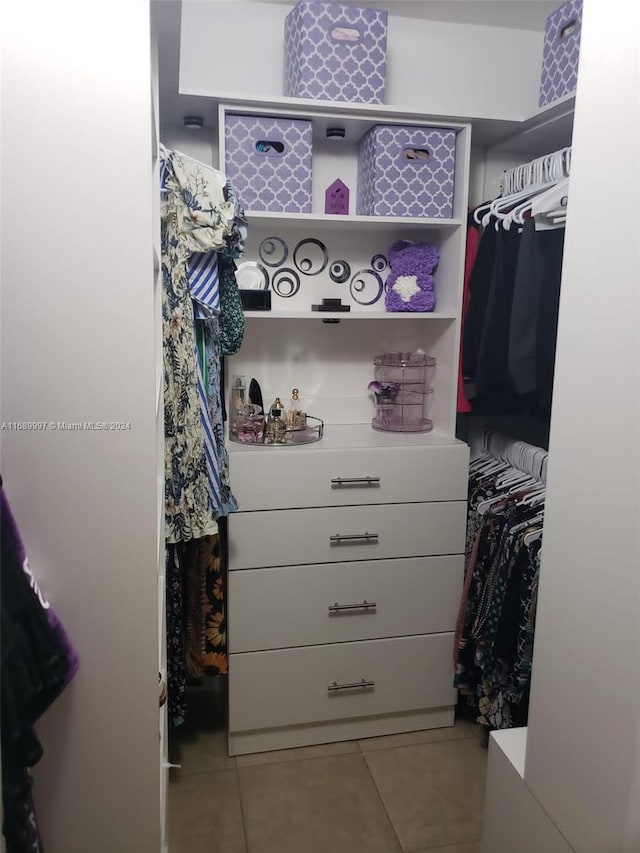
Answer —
421 792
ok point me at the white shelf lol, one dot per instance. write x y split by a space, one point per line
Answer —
348 436
312 106
355 223
488 130
546 130
350 315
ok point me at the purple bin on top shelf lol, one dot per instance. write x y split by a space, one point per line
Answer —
268 160
406 171
561 53
335 52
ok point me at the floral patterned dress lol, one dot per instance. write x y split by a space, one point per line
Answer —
203 226
195 218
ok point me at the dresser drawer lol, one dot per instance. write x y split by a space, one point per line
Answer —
311 605
297 686
294 477
337 534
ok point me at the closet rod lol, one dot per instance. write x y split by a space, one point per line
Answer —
525 457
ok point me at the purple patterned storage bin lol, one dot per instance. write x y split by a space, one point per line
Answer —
561 53
268 160
406 171
335 53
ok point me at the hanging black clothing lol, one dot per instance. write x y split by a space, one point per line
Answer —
551 247
492 368
524 313
509 335
479 285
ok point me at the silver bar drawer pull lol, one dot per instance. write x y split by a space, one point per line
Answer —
354 537
363 683
366 605
355 481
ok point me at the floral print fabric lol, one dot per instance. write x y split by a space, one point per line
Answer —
196 217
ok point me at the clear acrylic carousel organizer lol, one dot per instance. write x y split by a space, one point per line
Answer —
404 397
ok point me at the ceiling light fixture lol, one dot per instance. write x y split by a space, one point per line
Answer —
193 122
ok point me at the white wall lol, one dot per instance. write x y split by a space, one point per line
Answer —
432 66
200 144
77 344
582 753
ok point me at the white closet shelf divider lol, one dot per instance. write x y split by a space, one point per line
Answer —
351 315
357 223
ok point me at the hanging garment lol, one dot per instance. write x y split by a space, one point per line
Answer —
479 286
232 313
193 573
493 352
38 661
496 619
238 236
524 313
205 620
196 219
473 242
551 247
174 606
226 502
534 320
216 659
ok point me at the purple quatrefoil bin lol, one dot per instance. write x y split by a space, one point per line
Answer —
335 52
561 53
406 171
268 160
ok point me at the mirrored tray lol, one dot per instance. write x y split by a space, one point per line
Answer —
294 436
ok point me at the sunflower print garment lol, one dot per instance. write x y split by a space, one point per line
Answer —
195 218
215 658
205 632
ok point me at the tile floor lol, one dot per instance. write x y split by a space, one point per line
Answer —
420 792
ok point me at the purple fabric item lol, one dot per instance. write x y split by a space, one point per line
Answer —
410 283
390 184
561 53
14 533
264 177
322 63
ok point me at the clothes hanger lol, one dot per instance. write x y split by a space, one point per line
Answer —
220 176
529 179
545 203
501 206
532 537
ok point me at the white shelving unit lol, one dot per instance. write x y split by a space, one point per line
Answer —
285 353
421 478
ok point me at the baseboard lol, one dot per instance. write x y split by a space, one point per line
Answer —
266 740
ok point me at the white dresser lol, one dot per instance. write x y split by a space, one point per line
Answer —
345 575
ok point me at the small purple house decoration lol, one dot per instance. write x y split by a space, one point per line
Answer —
336 198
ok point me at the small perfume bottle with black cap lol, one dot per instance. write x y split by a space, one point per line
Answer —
276 430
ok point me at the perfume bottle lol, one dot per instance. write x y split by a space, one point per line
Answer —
276 430
296 418
238 398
